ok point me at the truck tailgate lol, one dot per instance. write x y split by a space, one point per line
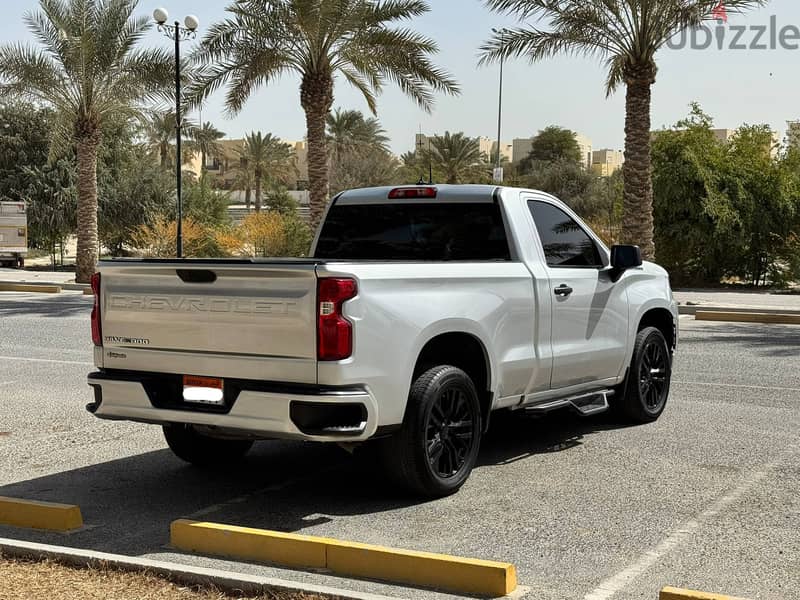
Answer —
248 319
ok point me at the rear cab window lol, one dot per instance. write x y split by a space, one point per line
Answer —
424 230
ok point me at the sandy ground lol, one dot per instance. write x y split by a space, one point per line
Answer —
31 580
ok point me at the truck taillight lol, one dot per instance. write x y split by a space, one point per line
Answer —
97 336
334 332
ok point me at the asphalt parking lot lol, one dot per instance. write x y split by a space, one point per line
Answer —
706 498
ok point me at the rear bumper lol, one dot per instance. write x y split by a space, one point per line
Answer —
252 408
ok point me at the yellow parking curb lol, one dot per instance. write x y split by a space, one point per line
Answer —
39 515
22 287
447 573
669 593
748 317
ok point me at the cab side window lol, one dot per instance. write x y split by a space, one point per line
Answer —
565 243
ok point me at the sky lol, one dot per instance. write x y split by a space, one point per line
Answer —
734 86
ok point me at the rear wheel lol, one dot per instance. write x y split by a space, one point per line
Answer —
437 448
646 389
201 450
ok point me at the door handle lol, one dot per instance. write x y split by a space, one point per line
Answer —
563 290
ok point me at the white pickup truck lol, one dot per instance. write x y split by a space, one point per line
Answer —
421 311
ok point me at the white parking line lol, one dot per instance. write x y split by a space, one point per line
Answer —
46 360
737 386
609 588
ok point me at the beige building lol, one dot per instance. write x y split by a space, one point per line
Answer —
224 166
606 162
585 144
724 135
793 134
489 147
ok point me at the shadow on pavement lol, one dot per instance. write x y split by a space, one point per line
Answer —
128 504
46 307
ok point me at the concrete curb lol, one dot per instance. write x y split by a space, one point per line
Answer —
441 572
226 581
694 309
47 516
40 288
748 317
73 287
670 593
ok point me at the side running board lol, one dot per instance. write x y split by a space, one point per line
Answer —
586 404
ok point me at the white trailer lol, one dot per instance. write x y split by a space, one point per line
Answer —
13 234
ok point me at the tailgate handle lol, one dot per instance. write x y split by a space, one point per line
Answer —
196 275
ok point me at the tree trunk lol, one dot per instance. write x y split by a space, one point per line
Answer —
637 217
258 192
87 145
202 161
248 193
164 151
316 98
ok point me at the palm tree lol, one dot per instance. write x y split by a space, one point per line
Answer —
89 70
352 138
159 131
456 157
349 131
627 35
266 156
319 39
206 139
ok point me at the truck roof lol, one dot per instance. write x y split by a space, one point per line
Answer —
444 193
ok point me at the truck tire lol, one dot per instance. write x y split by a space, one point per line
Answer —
436 449
201 450
643 396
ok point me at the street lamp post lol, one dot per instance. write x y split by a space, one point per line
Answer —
498 174
177 33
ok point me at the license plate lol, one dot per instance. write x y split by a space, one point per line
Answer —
203 390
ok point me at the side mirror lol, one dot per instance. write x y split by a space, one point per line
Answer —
624 258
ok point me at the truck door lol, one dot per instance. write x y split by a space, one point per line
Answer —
589 311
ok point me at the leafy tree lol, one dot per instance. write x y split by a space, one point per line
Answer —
566 180
268 234
366 169
134 190
725 210
627 35
89 70
318 40
160 239
457 158
24 142
265 156
51 199
203 204
552 144
206 138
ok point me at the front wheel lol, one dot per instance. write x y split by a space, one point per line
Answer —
646 389
437 448
202 450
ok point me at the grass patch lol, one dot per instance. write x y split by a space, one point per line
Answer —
22 579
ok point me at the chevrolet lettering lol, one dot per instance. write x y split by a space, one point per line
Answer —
200 304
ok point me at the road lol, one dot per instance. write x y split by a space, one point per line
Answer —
705 498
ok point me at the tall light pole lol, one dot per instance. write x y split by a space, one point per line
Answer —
178 33
498 173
